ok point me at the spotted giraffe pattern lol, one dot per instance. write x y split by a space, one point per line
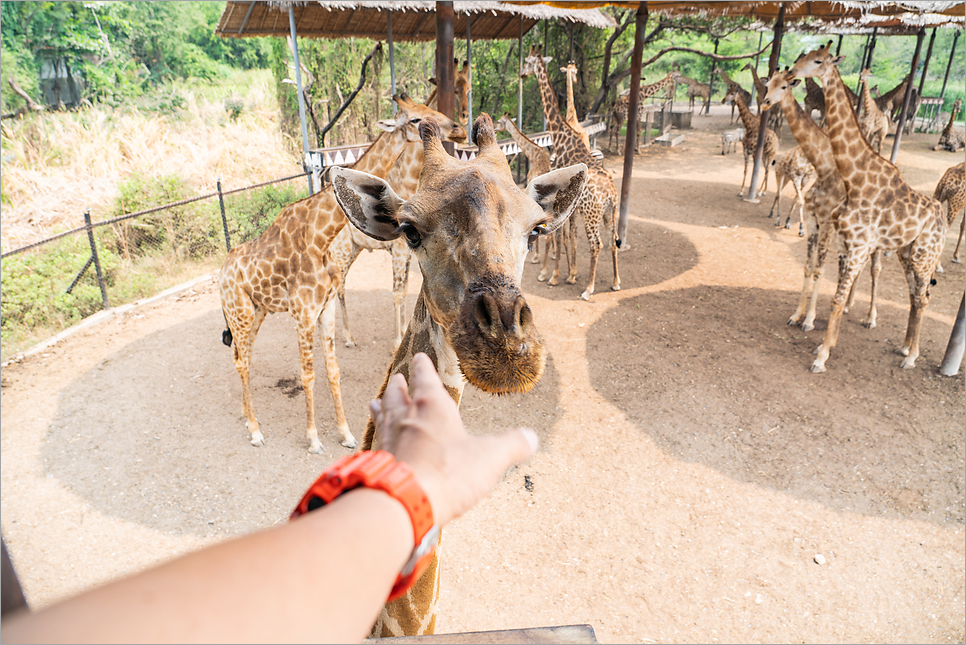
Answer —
950 139
873 122
750 142
618 113
881 211
775 118
951 190
570 71
792 166
599 199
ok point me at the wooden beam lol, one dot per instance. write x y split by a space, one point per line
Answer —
630 141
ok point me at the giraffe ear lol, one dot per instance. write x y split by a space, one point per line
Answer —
838 59
557 192
795 82
547 59
369 202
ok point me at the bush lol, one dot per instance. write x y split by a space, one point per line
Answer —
251 212
187 231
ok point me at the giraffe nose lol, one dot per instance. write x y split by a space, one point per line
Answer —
497 319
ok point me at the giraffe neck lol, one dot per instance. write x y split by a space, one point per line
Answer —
571 109
853 155
650 90
750 120
867 103
814 142
727 80
567 143
530 149
404 175
415 613
949 125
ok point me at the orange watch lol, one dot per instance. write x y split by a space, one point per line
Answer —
379 469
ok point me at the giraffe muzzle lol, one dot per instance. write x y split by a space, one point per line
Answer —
497 341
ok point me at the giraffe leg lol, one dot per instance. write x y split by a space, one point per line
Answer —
306 334
875 269
327 318
555 239
535 256
592 225
401 257
919 271
957 258
800 198
777 204
744 175
570 245
346 333
244 341
849 270
812 270
610 224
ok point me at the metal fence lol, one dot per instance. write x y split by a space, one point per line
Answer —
54 283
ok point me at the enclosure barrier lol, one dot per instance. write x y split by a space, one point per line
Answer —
134 255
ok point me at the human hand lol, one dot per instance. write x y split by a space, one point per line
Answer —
455 469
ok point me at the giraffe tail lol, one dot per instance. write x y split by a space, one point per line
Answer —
226 337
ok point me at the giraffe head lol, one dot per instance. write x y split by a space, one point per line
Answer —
534 62
571 71
776 87
461 89
504 122
864 75
817 63
470 227
413 113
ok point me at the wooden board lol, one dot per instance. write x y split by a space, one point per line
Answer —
575 634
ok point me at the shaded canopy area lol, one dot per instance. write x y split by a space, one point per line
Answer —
412 20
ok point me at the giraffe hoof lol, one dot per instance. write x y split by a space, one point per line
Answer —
257 439
908 363
869 324
543 278
572 280
957 260
316 447
807 326
939 268
349 343
349 442
817 368
585 296
616 287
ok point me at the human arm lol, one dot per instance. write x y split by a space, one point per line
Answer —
322 577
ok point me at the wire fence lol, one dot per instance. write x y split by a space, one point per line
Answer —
51 284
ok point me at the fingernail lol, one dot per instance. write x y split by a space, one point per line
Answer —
532 439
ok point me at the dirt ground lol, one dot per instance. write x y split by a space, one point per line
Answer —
691 468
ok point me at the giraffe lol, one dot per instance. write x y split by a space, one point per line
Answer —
881 211
599 199
951 189
733 88
539 165
891 101
792 166
695 89
461 88
469 226
950 139
752 124
874 123
619 113
350 242
776 119
287 269
823 202
571 72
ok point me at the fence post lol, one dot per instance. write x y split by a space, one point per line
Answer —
224 220
97 262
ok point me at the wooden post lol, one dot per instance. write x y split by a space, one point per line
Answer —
925 64
714 63
630 141
469 82
905 102
392 62
952 53
520 94
776 48
445 100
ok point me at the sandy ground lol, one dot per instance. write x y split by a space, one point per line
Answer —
691 467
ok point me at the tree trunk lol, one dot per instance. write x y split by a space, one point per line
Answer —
498 99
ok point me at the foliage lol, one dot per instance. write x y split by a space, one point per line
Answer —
120 50
251 212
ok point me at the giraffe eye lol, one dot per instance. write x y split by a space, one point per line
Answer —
413 238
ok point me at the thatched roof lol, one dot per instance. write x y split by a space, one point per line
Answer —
411 19
824 16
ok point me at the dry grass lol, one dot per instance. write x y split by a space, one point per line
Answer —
56 165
